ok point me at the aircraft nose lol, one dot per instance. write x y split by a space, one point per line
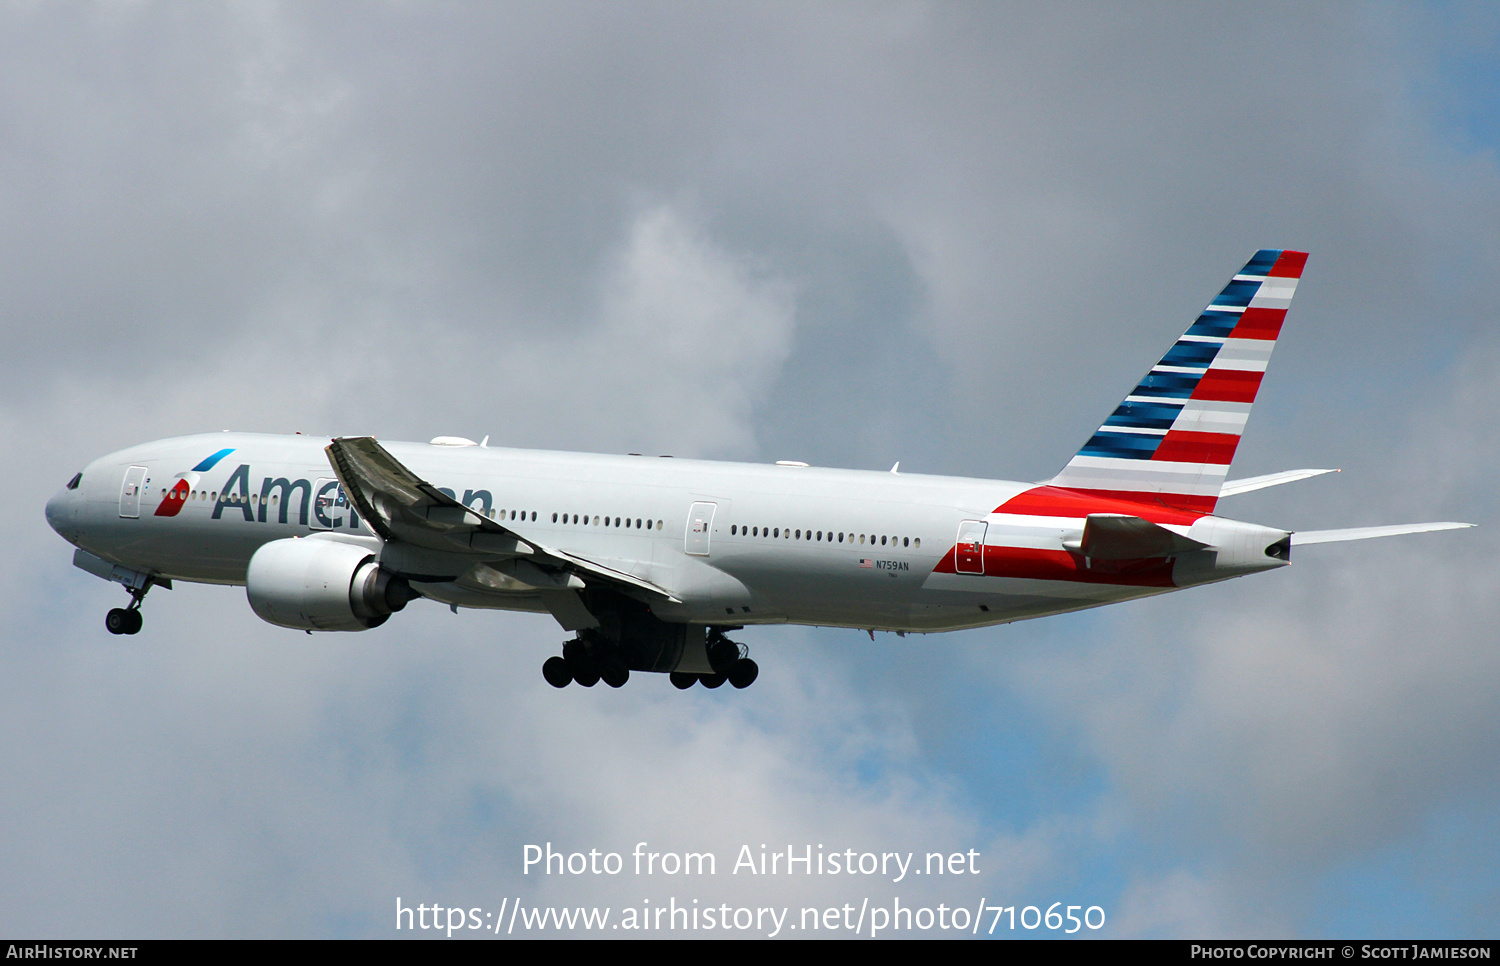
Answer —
61 515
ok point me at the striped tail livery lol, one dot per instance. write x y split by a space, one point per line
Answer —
1170 442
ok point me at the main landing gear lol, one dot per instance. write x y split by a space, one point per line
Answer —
589 659
127 620
586 666
730 662
741 675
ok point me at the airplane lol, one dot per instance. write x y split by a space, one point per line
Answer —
652 562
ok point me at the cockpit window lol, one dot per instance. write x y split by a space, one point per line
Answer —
77 478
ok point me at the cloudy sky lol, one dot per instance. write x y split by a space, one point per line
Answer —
948 234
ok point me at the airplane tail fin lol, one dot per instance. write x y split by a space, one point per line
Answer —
1171 440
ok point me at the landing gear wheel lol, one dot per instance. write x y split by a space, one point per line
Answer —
681 680
127 620
711 680
582 666
744 673
614 674
555 670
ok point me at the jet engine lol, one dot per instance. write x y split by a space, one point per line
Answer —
322 585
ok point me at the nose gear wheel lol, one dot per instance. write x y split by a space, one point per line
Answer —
128 620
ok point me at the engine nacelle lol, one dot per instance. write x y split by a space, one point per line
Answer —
322 585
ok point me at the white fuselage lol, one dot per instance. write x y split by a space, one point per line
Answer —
735 543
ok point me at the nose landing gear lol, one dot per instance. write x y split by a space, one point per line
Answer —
127 620
123 620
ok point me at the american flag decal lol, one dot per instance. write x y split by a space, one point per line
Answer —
866 563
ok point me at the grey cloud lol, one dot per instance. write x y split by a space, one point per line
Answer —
948 234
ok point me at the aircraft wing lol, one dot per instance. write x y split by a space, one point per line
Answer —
396 503
402 507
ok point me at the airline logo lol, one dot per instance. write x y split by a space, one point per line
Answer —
175 498
319 503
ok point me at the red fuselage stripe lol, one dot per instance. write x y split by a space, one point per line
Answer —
1029 563
1057 501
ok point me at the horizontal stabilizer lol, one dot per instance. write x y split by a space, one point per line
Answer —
1117 536
1304 537
1249 483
